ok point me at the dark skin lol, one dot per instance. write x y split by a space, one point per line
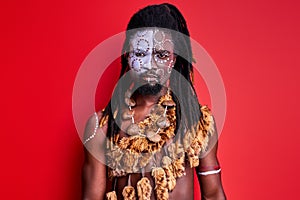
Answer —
95 183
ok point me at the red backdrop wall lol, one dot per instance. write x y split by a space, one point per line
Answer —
255 45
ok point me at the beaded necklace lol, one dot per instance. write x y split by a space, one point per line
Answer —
134 153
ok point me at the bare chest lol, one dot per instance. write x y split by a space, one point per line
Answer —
184 188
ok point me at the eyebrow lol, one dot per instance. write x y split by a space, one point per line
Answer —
161 51
139 50
154 50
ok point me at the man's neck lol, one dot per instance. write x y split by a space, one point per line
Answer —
149 100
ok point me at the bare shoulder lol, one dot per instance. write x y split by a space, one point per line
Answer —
209 125
95 133
94 166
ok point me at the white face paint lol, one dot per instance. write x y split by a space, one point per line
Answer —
151 56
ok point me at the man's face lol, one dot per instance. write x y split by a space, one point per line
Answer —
151 57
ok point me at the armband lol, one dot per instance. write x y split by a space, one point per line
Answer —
210 172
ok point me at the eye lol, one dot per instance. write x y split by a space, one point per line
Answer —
163 54
139 54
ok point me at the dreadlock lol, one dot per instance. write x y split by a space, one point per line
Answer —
169 17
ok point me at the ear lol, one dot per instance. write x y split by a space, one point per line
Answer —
174 59
175 56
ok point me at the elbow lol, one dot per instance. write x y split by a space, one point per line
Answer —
219 197
216 195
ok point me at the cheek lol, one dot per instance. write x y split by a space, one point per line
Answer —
135 63
138 63
164 69
134 75
164 73
165 63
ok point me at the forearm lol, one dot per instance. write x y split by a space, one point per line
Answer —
209 176
93 185
211 187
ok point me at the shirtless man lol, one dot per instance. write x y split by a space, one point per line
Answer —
153 134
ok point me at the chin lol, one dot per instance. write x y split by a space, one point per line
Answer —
149 89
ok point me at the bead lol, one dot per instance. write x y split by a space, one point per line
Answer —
133 129
155 138
150 133
163 122
158 109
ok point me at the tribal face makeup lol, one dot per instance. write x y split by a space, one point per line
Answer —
151 57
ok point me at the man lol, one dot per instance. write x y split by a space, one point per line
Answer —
153 133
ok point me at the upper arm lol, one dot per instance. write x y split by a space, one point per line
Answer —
94 168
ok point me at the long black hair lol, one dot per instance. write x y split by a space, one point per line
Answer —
165 16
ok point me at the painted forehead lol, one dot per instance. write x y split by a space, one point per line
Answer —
151 39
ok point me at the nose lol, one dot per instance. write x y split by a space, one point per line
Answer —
150 63
153 62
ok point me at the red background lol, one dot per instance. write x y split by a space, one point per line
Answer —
255 45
